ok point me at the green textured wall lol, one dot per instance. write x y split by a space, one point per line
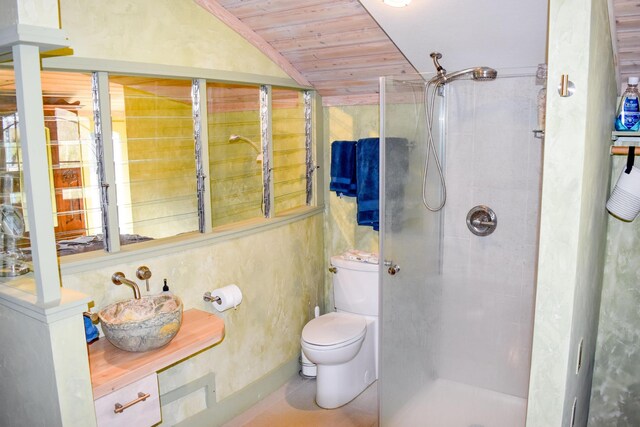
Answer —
573 219
280 274
615 395
341 229
169 32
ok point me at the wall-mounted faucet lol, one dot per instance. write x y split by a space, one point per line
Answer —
118 278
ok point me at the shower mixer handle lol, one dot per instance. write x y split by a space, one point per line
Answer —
478 223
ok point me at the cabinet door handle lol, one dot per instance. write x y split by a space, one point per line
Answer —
119 408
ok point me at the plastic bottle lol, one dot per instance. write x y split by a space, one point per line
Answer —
165 288
628 114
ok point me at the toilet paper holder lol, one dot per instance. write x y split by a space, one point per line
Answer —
210 298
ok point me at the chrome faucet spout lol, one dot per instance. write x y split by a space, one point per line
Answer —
118 279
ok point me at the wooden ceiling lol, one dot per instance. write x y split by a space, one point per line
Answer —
333 45
627 37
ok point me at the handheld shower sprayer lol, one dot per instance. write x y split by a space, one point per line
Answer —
437 83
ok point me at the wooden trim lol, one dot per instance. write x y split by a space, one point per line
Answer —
623 150
112 368
241 28
247 8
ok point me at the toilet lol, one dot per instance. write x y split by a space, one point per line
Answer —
344 344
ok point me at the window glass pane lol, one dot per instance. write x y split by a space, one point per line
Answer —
234 149
15 245
152 123
68 119
289 154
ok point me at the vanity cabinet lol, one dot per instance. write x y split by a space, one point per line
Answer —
118 376
137 404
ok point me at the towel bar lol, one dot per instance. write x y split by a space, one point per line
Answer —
621 150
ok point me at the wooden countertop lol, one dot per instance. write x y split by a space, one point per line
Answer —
112 368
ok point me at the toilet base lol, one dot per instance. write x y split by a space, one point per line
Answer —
337 385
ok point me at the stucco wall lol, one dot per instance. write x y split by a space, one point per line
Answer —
573 220
342 232
615 395
169 32
43 13
279 272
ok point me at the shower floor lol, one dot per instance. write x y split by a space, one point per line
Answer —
452 404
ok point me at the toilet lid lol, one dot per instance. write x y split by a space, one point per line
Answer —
334 328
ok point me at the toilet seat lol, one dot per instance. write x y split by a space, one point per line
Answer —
334 330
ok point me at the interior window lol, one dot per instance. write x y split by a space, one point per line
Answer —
15 245
289 149
154 158
68 120
235 148
153 144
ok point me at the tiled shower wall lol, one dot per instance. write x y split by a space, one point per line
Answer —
492 159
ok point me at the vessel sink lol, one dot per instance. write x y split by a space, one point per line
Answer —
142 324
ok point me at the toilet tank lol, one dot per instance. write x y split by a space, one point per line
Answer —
355 285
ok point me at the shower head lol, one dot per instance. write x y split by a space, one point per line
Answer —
476 73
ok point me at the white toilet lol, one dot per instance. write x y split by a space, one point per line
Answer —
344 344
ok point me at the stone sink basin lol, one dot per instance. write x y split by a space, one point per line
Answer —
142 324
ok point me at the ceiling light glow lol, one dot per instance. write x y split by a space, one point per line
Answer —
397 3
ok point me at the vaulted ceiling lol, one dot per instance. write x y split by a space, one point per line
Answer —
342 47
333 45
627 37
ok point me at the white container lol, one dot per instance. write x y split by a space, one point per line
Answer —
624 201
309 369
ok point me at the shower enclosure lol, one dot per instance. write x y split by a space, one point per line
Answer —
457 308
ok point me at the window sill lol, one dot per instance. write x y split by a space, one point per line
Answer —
77 263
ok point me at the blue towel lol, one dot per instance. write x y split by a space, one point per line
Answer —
368 181
90 330
396 158
343 168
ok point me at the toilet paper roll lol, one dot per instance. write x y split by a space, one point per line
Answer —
230 297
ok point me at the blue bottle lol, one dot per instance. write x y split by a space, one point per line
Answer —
628 114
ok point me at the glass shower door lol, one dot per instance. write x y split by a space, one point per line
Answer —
457 306
410 248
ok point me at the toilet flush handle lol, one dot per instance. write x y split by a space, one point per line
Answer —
333 270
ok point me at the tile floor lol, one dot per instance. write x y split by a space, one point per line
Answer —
293 405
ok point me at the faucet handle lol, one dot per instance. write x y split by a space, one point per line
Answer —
117 277
143 273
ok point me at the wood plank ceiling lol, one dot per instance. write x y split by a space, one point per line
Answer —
627 35
333 45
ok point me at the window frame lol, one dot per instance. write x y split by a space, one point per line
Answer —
115 253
